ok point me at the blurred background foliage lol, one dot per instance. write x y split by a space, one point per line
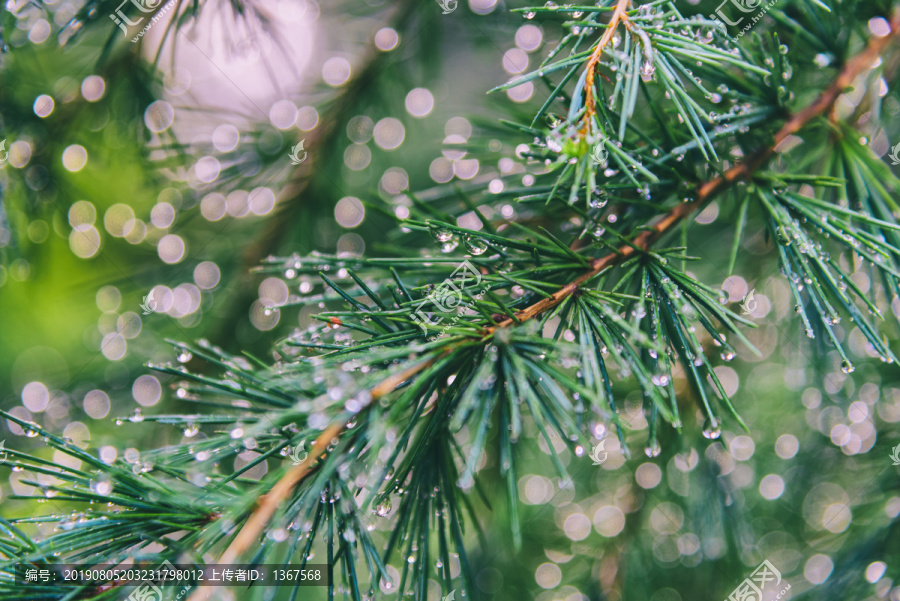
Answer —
163 166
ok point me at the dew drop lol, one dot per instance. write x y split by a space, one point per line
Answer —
476 246
712 429
441 234
101 487
598 199
383 508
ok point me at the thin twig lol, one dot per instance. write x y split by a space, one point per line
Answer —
282 489
620 15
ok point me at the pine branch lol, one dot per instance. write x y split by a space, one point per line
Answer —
711 188
642 243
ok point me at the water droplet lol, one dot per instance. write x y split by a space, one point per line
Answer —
184 356
383 508
101 487
712 429
441 234
191 430
598 199
660 379
653 449
704 34
847 367
476 246
136 416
